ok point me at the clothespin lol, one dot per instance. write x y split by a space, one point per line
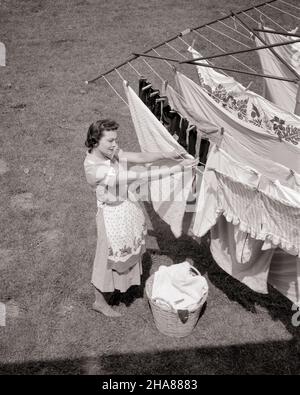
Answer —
220 139
190 127
174 68
126 83
292 172
154 93
165 84
160 99
193 43
248 86
146 87
234 22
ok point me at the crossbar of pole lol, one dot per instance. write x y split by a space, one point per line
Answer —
175 37
157 57
276 32
222 68
264 42
245 72
239 52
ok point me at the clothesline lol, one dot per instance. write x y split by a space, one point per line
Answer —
220 68
285 12
243 50
276 32
267 17
271 49
221 49
290 5
185 32
235 30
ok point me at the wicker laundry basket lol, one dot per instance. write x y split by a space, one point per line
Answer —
167 319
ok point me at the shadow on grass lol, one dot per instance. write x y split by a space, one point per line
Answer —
275 358
185 247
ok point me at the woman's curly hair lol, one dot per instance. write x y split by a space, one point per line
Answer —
95 132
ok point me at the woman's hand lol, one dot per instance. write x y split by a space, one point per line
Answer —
190 162
172 155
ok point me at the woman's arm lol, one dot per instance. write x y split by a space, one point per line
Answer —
151 174
147 157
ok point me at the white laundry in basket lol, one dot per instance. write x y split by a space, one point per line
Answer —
179 286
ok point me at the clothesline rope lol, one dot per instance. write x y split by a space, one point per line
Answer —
138 73
250 17
291 5
168 63
120 75
285 12
174 49
247 30
267 17
188 45
221 49
226 35
210 93
151 68
116 92
235 30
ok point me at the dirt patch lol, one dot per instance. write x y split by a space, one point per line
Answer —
3 167
22 202
6 258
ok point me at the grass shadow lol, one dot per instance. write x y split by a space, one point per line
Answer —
276 357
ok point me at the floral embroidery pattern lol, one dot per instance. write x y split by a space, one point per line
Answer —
240 107
286 132
129 250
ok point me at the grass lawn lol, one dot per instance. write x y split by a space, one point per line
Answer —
47 217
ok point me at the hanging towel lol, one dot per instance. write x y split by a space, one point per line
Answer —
248 105
168 196
282 93
179 104
265 143
213 80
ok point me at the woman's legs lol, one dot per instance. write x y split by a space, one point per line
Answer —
102 306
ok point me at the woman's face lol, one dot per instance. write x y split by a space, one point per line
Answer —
108 143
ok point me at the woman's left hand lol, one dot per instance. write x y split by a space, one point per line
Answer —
172 155
190 162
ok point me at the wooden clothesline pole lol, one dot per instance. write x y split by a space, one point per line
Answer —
276 32
239 52
271 49
223 68
183 33
137 54
248 73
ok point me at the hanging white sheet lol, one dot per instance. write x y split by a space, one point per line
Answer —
169 195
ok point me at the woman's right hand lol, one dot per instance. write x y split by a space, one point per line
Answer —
190 162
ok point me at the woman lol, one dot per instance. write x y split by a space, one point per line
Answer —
121 226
